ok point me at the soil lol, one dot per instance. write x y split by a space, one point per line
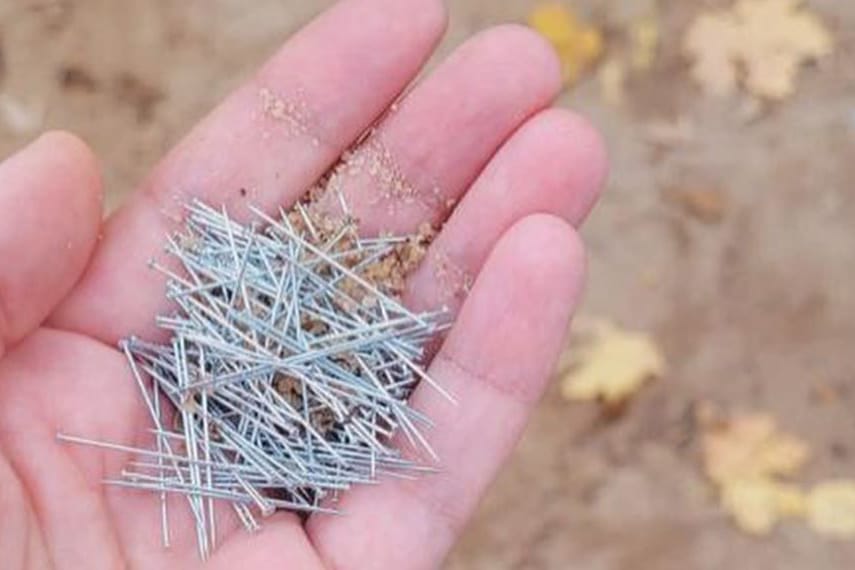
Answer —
731 241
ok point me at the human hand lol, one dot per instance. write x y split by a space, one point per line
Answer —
470 146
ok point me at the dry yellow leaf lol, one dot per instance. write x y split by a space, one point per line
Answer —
757 505
750 447
613 73
712 43
831 509
768 39
747 455
611 364
644 39
578 45
777 38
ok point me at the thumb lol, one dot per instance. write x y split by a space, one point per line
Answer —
50 211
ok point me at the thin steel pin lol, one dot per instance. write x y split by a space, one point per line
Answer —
289 370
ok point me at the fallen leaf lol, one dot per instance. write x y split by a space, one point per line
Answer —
825 394
611 364
777 38
635 55
757 505
768 39
747 456
578 45
644 41
831 509
712 42
750 447
708 205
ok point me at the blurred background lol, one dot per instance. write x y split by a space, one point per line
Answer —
707 419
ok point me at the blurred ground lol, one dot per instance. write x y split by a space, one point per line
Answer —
755 311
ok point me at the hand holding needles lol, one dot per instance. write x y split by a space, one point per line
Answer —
287 372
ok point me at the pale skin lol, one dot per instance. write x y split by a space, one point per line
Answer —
477 143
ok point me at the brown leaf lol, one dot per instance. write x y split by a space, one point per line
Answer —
708 205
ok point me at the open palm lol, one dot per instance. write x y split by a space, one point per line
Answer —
471 146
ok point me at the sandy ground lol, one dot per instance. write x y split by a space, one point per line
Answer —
755 311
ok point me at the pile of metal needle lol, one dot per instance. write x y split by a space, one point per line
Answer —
287 370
